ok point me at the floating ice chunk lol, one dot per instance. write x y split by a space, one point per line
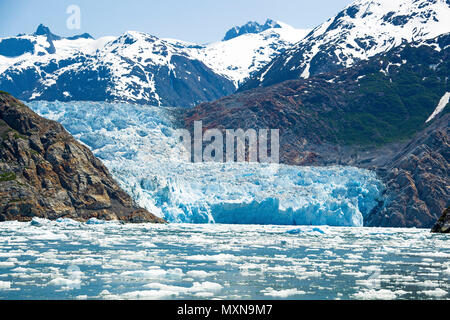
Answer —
206 287
149 295
38 222
318 230
63 282
145 274
95 221
382 294
67 221
6 264
294 231
5 285
282 293
300 230
438 293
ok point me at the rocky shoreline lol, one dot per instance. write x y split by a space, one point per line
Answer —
443 224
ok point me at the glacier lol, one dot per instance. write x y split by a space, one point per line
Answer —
138 144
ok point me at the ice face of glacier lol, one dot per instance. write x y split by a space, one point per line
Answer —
138 145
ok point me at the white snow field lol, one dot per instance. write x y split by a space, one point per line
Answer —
65 259
138 146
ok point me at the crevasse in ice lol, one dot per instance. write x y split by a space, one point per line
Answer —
137 145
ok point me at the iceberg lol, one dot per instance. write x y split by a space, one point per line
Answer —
139 146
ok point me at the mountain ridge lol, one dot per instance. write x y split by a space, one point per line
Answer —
134 67
360 31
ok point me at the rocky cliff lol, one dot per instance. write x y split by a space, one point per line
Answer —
45 172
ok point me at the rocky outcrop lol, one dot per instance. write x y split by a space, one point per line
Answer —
443 224
417 180
45 172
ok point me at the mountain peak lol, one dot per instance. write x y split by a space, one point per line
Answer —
43 30
250 27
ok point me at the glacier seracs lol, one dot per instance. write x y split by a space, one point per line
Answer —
137 143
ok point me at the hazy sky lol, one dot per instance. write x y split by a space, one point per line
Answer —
191 20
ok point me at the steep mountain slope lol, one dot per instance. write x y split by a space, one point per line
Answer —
45 172
135 67
362 30
362 116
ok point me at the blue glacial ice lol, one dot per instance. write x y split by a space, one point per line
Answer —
137 145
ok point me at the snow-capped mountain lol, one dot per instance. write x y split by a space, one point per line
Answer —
135 66
360 31
242 55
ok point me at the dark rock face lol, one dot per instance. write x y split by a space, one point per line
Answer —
45 172
417 180
443 224
250 27
45 31
362 116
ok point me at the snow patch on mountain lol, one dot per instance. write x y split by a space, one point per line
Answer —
441 105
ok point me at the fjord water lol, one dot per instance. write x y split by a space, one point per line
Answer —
70 260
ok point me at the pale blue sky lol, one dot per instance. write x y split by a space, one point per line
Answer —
191 20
